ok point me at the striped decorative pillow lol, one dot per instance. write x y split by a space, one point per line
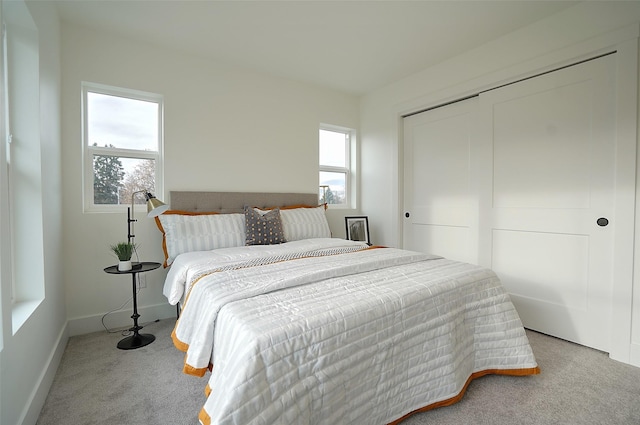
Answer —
305 223
186 232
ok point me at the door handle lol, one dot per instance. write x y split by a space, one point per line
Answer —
407 214
602 221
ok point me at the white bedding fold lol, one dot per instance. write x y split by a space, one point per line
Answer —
189 266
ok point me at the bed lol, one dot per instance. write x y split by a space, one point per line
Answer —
320 330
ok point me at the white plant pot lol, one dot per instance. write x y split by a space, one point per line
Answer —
124 266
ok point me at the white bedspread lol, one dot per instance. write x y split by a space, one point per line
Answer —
357 338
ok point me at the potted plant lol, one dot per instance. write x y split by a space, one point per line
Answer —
124 251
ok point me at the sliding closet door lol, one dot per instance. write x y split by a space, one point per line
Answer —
522 180
547 197
440 215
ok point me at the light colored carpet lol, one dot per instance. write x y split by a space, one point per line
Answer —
97 383
100 384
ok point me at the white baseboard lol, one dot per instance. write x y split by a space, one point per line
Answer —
41 389
119 319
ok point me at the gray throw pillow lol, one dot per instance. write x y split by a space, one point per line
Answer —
263 229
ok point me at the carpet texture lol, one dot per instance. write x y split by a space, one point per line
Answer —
97 383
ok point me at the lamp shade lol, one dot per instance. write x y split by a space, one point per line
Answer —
155 207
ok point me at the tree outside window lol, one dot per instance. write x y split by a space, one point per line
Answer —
107 176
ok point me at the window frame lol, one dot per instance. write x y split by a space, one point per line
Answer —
22 215
88 152
348 169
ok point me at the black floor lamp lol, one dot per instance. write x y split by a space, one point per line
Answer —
155 207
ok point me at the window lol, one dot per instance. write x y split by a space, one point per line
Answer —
336 145
22 212
122 140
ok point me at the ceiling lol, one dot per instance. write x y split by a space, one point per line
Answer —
353 46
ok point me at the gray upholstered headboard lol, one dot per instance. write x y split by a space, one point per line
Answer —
234 202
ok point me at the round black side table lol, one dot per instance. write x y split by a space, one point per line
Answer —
136 340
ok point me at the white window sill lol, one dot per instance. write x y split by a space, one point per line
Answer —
21 311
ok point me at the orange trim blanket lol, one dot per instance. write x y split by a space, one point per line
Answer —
360 337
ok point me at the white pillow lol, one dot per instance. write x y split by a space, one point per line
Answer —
187 232
304 223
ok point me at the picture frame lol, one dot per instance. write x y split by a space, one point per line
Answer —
357 228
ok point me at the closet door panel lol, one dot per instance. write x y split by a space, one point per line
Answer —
542 148
439 209
550 143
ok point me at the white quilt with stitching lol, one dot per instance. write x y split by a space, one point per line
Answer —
355 338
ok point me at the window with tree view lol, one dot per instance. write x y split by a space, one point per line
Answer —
335 166
123 139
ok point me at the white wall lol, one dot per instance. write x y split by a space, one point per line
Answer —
29 358
226 129
574 34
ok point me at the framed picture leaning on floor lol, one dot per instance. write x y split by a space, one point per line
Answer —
358 229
